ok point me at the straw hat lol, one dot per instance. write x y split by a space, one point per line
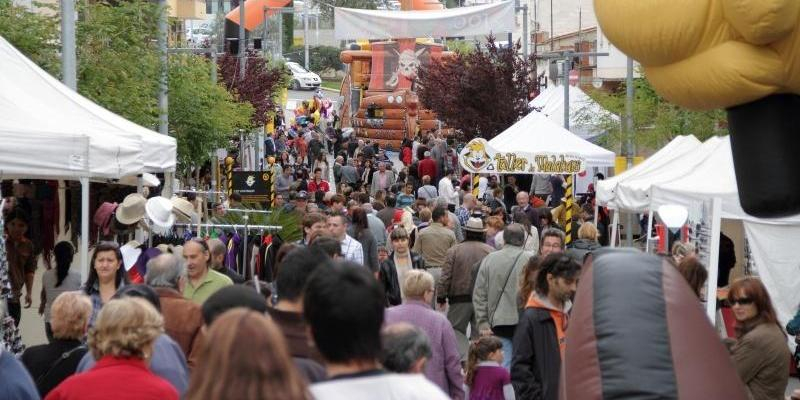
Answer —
132 209
474 225
159 212
183 210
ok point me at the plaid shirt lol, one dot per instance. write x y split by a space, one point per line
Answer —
463 215
352 250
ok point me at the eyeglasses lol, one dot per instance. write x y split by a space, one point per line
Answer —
741 301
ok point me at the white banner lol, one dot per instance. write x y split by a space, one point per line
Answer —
355 24
478 156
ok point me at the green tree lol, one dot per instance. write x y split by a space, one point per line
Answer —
35 35
118 63
320 58
202 114
326 6
656 121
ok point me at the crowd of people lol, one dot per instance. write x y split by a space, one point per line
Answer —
405 285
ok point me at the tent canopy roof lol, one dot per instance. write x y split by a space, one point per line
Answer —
585 114
34 102
536 133
713 177
606 189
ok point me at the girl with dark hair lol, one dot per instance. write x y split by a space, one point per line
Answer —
106 276
531 233
760 352
486 379
56 281
527 280
359 229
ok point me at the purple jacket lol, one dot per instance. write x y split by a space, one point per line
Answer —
444 367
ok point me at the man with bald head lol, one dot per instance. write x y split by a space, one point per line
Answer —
218 253
524 205
202 281
183 320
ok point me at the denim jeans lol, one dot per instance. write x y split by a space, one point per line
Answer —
508 349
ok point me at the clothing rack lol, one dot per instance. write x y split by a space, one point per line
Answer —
246 228
244 210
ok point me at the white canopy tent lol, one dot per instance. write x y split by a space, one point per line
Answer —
536 133
585 114
48 131
771 241
606 189
633 194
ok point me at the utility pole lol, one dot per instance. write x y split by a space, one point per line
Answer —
163 101
305 30
68 55
566 56
629 142
242 38
525 33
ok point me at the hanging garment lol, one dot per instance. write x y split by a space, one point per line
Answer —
10 339
5 279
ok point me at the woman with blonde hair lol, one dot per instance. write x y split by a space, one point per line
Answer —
262 369
122 341
52 363
586 243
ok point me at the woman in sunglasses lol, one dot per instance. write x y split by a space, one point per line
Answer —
760 353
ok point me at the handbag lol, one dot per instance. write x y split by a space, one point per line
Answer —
64 356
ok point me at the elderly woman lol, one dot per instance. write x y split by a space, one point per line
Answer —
122 339
760 352
444 366
49 364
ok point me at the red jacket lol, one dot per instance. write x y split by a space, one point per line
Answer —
115 378
323 186
427 167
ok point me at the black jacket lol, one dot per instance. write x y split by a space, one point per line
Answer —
537 358
390 281
579 248
44 360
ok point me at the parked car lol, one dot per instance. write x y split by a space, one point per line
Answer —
302 78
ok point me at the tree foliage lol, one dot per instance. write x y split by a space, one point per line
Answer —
320 58
34 34
326 6
261 82
202 114
118 61
656 121
480 93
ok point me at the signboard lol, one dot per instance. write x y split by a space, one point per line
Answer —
253 186
479 157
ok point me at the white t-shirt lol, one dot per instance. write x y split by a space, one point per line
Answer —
71 282
379 387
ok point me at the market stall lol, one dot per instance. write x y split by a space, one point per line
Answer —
52 132
770 241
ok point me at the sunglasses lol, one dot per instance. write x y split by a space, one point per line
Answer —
741 301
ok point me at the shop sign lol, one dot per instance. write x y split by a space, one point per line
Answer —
479 157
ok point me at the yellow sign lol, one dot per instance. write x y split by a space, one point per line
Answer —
479 157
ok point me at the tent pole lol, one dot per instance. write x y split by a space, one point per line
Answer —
84 229
614 225
713 259
649 229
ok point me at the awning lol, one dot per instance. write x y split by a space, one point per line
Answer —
354 24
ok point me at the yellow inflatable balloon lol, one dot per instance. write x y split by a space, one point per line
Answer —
707 54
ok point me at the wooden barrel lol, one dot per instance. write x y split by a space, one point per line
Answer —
387 134
428 124
387 114
380 123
